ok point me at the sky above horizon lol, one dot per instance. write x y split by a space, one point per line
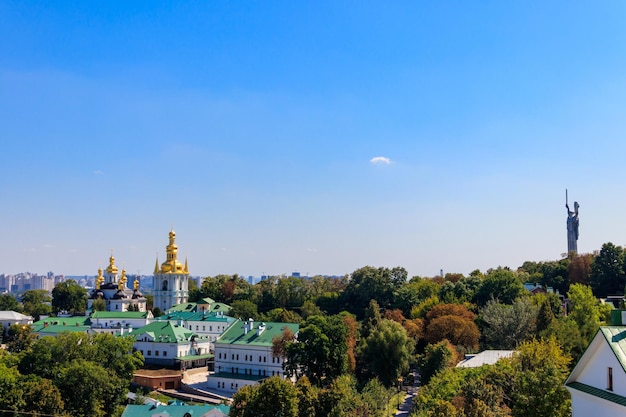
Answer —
316 137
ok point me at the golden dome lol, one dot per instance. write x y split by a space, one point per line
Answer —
112 269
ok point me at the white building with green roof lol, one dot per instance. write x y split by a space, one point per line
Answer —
201 322
243 355
119 322
597 383
164 343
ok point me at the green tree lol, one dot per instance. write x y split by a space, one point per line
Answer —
11 396
244 309
321 351
386 352
436 358
499 284
37 303
307 397
505 326
9 303
41 397
194 292
369 283
99 305
20 337
282 315
607 271
88 389
584 310
539 371
273 397
69 296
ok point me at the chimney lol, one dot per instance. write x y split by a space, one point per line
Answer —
246 328
260 329
251 322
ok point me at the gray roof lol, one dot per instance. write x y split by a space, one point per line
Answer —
486 357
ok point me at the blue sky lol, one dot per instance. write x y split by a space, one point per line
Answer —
254 127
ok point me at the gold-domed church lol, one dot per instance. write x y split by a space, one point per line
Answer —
171 279
113 290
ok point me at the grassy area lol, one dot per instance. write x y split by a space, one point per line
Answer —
159 396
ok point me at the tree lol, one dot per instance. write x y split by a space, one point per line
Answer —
499 284
386 352
436 358
583 310
36 303
244 309
505 326
194 292
579 268
282 315
69 296
369 283
19 338
88 389
100 305
320 352
279 343
607 271
453 322
41 397
9 303
539 371
273 397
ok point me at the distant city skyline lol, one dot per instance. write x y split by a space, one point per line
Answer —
317 137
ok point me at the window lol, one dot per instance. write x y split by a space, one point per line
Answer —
232 356
156 353
164 353
203 328
196 327
210 328
237 356
610 379
149 353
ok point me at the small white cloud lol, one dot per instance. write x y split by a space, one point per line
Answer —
311 249
48 245
380 160
98 172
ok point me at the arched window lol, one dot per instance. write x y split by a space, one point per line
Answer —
164 288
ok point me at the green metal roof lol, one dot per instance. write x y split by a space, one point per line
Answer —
183 307
236 335
167 332
597 392
196 316
119 315
67 321
56 329
175 410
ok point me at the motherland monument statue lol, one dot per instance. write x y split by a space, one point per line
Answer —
572 226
